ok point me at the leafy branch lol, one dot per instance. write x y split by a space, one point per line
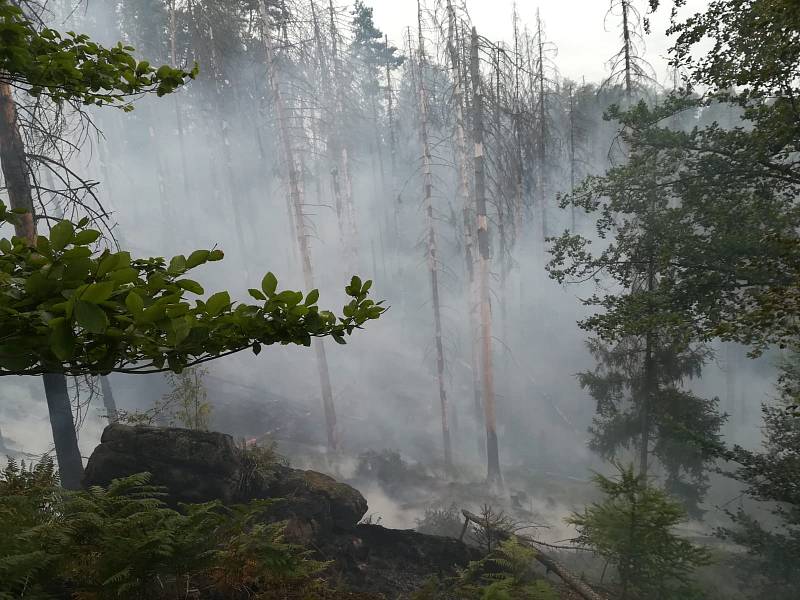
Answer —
67 308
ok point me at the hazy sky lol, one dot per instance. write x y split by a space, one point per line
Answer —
585 38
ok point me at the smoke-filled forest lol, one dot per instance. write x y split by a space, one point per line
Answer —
296 303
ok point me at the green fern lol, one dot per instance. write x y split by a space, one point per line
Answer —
505 574
123 541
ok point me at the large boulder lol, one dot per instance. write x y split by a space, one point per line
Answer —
200 466
194 466
316 499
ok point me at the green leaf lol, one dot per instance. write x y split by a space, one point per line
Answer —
107 263
190 286
269 284
312 297
61 234
87 236
91 317
123 276
215 255
180 329
177 265
256 348
98 292
257 294
62 338
134 303
217 303
197 258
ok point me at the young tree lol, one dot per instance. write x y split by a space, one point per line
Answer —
632 528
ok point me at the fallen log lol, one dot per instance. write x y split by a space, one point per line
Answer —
550 563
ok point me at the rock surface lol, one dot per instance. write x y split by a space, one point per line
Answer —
194 466
199 466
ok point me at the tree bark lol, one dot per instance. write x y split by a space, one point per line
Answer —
626 37
492 453
18 187
70 463
467 202
341 154
650 387
541 179
108 400
296 194
433 266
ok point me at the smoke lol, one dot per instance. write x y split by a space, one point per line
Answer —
203 168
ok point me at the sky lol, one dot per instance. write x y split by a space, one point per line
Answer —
584 37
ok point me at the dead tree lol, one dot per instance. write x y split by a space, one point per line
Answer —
296 194
467 208
487 376
108 400
178 113
433 264
627 67
18 187
342 178
542 133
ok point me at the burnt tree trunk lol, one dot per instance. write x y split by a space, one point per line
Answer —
467 203
492 452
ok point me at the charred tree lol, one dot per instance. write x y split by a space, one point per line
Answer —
492 452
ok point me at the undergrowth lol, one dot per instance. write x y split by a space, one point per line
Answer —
123 541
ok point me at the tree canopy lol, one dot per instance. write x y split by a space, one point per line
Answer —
70 66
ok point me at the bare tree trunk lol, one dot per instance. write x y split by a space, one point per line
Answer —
433 265
518 200
178 114
108 400
296 194
572 152
541 191
18 187
501 217
492 453
650 386
467 203
626 36
342 152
